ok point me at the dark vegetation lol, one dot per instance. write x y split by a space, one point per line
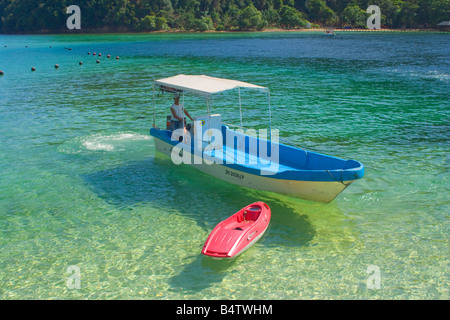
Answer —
39 16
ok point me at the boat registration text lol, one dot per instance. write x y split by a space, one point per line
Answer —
234 174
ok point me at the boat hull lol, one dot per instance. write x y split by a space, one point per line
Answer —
233 236
321 191
250 244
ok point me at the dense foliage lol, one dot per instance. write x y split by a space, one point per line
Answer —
202 15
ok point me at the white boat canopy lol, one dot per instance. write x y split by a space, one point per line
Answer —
203 85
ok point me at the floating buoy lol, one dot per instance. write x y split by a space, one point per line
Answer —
56 66
33 69
1 73
108 56
117 58
98 61
80 63
99 54
89 53
94 53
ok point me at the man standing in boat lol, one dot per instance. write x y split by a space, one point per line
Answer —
177 110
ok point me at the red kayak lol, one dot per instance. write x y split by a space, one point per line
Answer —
239 232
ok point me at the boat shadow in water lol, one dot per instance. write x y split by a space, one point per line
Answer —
201 273
185 191
287 228
198 196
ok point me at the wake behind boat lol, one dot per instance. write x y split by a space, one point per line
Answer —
241 157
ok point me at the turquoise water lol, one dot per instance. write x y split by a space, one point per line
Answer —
81 185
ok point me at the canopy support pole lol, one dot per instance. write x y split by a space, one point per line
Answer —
185 137
154 112
270 117
182 103
208 105
211 103
240 106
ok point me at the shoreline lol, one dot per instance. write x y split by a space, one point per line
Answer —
178 31
350 30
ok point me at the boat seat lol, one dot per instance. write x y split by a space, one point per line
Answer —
251 214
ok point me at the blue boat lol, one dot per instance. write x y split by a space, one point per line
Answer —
243 157
329 32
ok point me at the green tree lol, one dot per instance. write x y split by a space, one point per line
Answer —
204 24
166 10
249 18
230 18
407 16
320 12
291 18
161 23
354 16
271 17
432 12
148 23
389 12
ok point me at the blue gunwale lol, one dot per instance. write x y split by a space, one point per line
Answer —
294 163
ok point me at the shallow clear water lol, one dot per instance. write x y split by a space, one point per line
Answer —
81 185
